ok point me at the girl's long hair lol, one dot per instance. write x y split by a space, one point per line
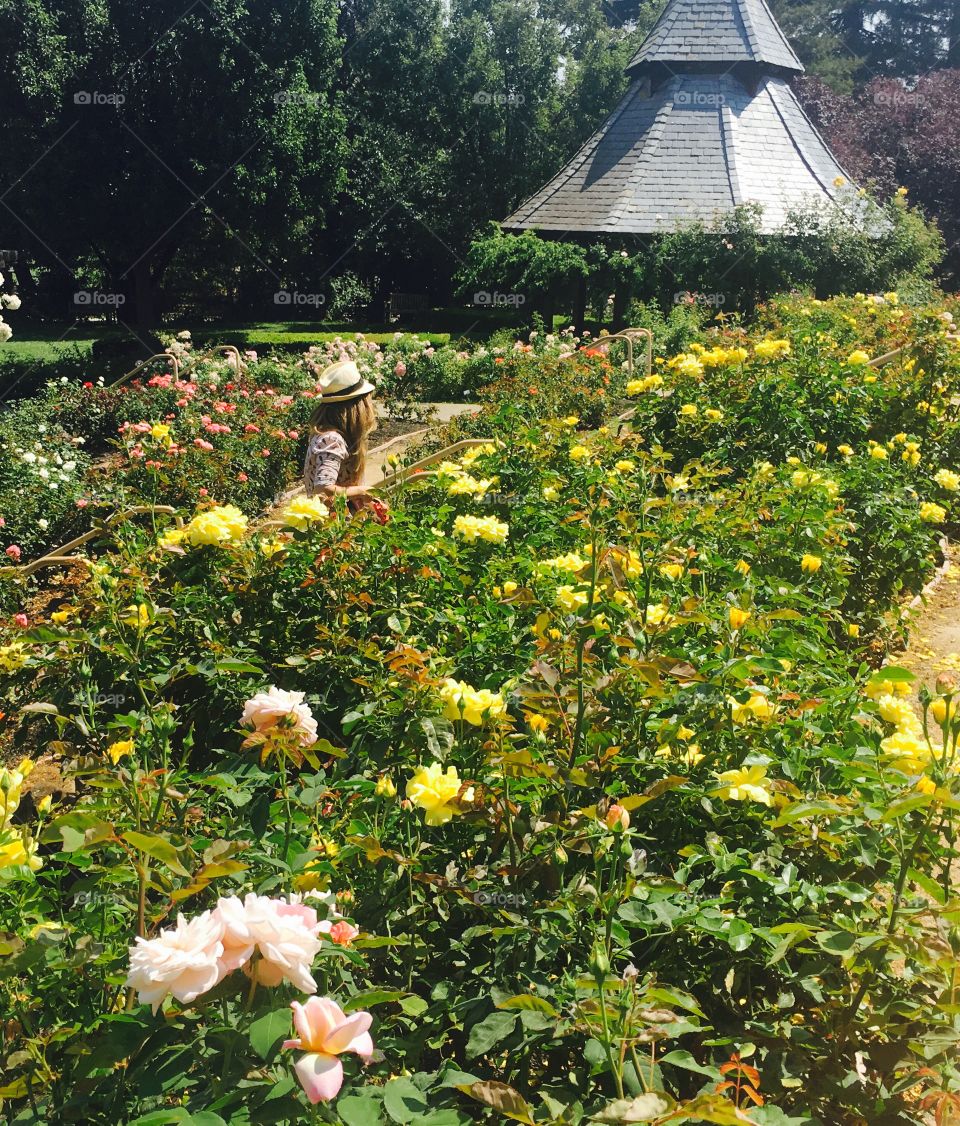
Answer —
354 419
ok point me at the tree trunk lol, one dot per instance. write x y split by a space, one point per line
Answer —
26 282
580 307
144 296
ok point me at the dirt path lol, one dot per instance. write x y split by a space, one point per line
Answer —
934 645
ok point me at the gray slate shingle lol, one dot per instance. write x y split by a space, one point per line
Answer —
716 31
700 146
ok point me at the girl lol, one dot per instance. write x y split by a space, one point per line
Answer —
337 449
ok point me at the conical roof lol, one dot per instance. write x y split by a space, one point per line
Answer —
716 33
710 123
699 147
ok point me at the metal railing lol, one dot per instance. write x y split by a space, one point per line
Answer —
60 556
238 362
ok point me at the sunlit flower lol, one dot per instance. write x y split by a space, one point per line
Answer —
183 960
472 528
472 705
275 708
947 479
303 511
435 792
931 513
757 707
738 618
810 564
772 349
116 751
217 526
325 1032
749 783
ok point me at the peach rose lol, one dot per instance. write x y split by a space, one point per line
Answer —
325 1032
283 934
266 710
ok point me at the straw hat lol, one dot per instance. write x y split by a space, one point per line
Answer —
342 381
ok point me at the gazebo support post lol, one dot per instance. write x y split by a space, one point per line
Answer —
621 299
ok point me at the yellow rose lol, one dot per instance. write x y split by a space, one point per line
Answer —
117 750
738 617
747 784
435 792
810 564
931 513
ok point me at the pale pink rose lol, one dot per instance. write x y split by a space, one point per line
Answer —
400 369
266 709
284 935
13 552
21 620
183 960
324 1033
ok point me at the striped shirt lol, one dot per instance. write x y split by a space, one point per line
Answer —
326 453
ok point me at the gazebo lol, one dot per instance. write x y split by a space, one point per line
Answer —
708 123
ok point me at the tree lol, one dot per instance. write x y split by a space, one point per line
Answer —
150 135
896 135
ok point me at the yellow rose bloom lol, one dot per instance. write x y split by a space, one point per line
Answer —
12 656
931 513
117 750
579 453
747 784
17 851
472 705
772 349
846 450
435 792
385 787
738 618
810 564
757 707
858 358
671 570
878 452
550 493
510 587
136 616
217 526
713 414
688 410
624 466
473 528
570 600
303 511
947 479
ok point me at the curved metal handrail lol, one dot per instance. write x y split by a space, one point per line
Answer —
59 556
174 363
629 335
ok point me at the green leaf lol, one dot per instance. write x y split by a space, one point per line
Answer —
489 1032
681 1058
402 1100
238 666
528 1001
359 1110
894 673
267 1032
370 997
413 1005
77 830
836 942
160 848
439 733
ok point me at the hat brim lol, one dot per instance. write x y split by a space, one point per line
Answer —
353 393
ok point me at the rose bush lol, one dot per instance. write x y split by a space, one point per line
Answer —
581 795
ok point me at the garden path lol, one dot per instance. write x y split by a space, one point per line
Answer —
934 645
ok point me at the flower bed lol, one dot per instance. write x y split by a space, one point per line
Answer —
571 791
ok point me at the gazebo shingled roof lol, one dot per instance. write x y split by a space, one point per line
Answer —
709 123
